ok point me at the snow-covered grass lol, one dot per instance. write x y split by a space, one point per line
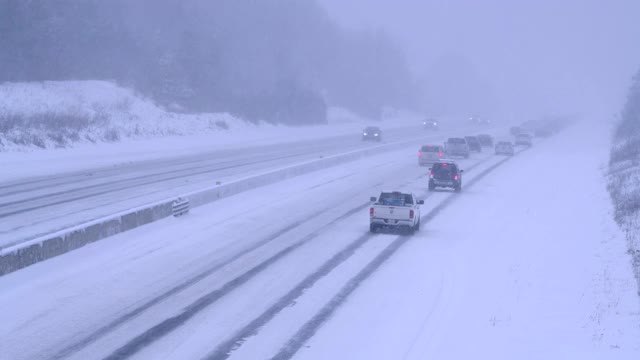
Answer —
61 114
624 188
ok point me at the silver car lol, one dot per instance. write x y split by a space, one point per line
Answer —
504 148
524 140
456 147
430 154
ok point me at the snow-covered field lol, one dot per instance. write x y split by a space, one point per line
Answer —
81 112
525 263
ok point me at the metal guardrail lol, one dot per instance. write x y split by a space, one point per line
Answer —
180 207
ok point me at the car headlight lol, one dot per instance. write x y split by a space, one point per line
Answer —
365 134
375 134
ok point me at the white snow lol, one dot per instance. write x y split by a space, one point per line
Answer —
527 264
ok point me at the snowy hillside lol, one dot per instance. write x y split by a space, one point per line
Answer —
60 114
57 114
624 171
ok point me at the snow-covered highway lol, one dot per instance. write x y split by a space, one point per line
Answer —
519 265
30 207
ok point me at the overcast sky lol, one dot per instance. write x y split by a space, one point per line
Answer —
534 56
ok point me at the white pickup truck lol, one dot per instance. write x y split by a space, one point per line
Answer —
395 210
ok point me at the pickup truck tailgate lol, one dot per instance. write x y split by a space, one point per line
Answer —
392 212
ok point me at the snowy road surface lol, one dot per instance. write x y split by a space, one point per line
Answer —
38 206
524 263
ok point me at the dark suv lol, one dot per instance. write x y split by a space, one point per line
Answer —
485 140
474 144
445 174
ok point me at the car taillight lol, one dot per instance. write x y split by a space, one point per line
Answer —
455 177
411 213
440 154
371 212
431 175
419 153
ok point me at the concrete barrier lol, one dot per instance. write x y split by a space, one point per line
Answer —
28 253
205 196
43 248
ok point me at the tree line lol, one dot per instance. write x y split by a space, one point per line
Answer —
281 61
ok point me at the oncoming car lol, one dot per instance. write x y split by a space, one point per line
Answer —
430 124
372 133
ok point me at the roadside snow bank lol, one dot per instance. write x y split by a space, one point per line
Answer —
64 113
624 173
624 188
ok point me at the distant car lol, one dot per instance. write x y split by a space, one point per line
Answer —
395 210
479 120
504 148
543 132
429 154
456 147
372 133
485 140
516 130
445 174
431 124
474 144
524 140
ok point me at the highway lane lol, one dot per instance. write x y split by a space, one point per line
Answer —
37 206
228 268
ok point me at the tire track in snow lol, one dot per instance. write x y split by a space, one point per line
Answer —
164 327
225 349
310 328
120 185
115 324
81 176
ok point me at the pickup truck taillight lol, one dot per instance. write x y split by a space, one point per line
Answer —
371 212
411 214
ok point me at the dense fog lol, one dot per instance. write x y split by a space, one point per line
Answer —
319 179
287 60
275 60
515 59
